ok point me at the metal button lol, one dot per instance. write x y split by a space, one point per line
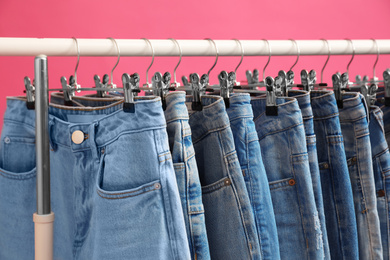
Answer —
291 182
227 182
7 140
157 186
78 137
326 166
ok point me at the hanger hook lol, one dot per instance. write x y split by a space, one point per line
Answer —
353 54
147 70
298 53
326 62
78 59
269 58
119 56
377 57
242 55
216 55
181 54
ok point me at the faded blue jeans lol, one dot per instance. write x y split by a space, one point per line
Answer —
183 156
336 185
354 126
381 166
230 223
283 148
249 155
303 98
114 194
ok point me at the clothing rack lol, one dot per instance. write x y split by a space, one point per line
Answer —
43 47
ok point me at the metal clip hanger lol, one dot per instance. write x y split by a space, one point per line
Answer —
30 93
322 84
130 90
253 79
147 84
386 79
271 108
226 82
308 79
338 89
176 84
161 85
235 83
198 90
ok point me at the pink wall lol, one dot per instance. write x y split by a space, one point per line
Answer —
181 19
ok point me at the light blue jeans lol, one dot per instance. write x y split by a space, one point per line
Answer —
230 223
354 126
381 166
249 155
183 156
303 98
336 185
283 148
114 194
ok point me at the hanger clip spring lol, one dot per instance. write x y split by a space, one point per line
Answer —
130 90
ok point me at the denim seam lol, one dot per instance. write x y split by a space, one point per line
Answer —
341 245
316 118
18 122
281 181
189 156
211 131
18 177
279 131
299 200
177 119
252 188
102 193
352 119
363 194
232 183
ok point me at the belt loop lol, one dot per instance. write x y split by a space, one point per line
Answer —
365 107
52 144
91 139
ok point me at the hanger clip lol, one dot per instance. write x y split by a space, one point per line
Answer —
73 84
271 108
101 86
30 91
226 82
198 90
289 79
253 78
68 91
130 90
281 82
369 93
386 79
161 85
337 89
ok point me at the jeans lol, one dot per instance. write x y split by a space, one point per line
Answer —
230 222
183 156
249 155
303 98
381 166
283 148
110 202
354 126
336 185
184 163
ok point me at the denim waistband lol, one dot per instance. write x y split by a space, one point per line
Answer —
213 116
90 99
303 98
289 115
240 106
176 106
109 122
323 104
354 107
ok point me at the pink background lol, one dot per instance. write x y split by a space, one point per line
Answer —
121 19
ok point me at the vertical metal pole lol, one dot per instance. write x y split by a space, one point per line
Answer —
42 135
44 218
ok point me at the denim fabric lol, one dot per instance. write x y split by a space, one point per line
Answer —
386 121
303 98
249 155
183 156
336 185
283 148
381 166
230 223
114 195
354 126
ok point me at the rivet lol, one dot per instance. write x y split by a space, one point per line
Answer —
157 186
291 182
326 166
7 140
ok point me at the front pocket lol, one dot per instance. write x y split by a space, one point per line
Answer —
18 154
